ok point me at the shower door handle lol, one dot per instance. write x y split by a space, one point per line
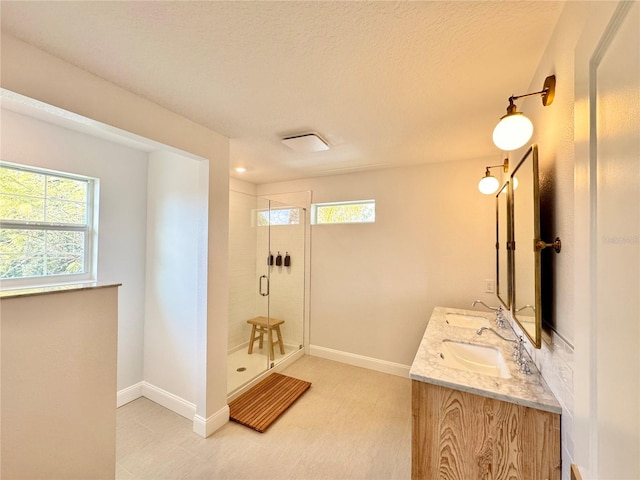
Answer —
261 291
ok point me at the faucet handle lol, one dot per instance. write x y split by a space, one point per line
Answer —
500 320
521 357
524 367
516 352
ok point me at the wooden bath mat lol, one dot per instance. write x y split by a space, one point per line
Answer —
262 404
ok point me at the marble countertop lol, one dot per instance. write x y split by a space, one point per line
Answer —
27 292
527 390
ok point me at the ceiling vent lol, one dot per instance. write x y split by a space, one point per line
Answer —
306 142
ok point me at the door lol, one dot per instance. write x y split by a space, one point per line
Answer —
267 242
617 302
283 276
608 234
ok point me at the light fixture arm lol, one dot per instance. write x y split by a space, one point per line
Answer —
492 181
547 93
516 97
514 129
504 165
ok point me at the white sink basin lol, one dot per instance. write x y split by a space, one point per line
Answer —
482 359
466 321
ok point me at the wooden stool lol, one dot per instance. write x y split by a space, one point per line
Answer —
262 325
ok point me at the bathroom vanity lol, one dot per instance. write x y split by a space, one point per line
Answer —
475 415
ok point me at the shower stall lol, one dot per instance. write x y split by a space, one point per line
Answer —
267 241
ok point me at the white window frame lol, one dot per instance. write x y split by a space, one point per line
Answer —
89 228
315 206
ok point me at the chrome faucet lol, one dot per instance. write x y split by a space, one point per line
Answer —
482 329
500 323
475 302
518 350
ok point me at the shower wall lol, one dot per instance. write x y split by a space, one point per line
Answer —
286 284
243 277
248 253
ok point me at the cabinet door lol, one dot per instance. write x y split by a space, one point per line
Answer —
458 435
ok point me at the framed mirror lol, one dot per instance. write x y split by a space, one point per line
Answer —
525 220
503 246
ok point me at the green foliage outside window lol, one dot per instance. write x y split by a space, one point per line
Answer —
353 212
43 223
279 216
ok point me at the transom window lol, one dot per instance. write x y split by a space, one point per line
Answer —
46 226
362 211
278 216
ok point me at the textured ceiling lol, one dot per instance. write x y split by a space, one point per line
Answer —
386 83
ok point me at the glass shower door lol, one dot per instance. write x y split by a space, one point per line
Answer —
286 277
266 285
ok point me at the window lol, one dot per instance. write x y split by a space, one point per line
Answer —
278 216
46 226
363 211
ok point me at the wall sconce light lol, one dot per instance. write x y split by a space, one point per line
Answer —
490 184
514 129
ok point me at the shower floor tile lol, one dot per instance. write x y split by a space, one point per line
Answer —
242 367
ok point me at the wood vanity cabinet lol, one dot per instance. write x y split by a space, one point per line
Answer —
463 436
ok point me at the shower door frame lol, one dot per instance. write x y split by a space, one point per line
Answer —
262 255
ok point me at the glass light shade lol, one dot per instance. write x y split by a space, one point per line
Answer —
512 132
488 185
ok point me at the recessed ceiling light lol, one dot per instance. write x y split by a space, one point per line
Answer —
306 142
240 169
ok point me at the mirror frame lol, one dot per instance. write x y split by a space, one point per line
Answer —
507 244
536 339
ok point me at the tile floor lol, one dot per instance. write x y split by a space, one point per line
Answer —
352 424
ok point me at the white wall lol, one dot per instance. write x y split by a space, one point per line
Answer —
563 132
31 72
286 284
373 286
243 278
554 134
608 140
59 384
618 251
122 172
176 213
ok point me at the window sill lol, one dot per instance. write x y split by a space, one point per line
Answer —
26 292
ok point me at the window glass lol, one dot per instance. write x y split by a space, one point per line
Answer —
45 225
363 211
278 216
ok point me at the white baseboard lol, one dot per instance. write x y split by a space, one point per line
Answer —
206 426
158 395
169 400
129 394
201 426
361 361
